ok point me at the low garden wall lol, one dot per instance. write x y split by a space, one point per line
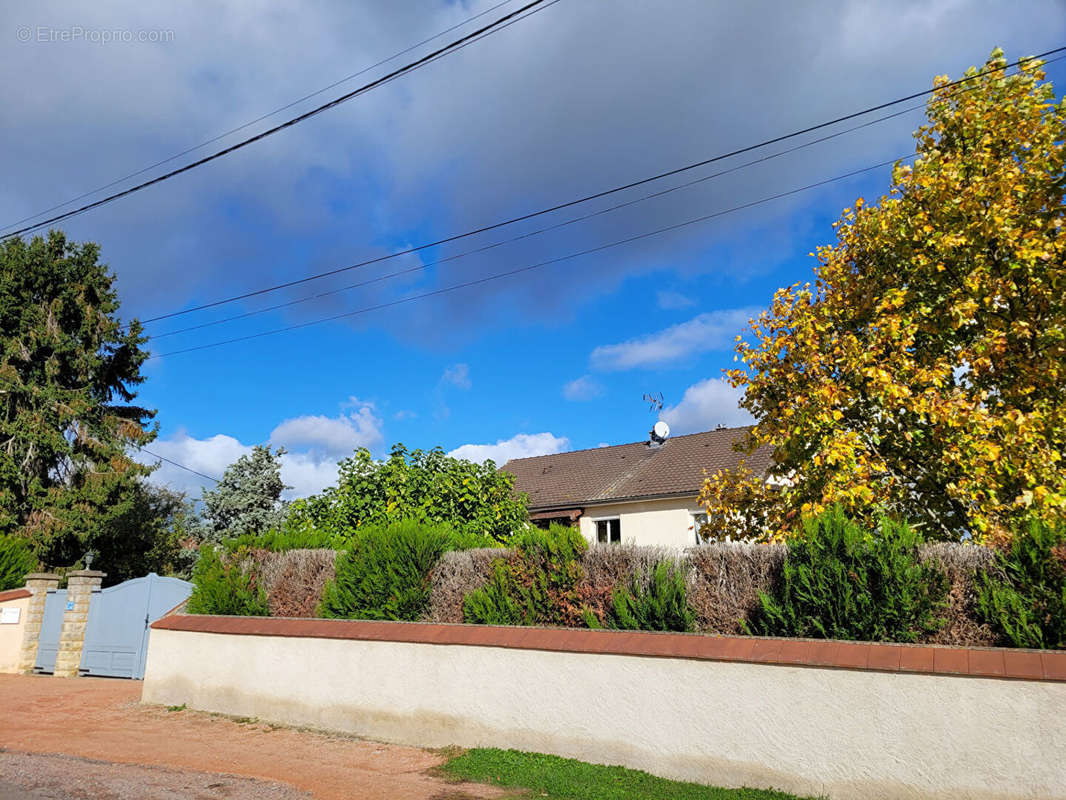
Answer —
836 719
14 607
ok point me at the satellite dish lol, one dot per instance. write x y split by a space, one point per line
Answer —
660 431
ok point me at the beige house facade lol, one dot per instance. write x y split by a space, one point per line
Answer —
644 493
666 522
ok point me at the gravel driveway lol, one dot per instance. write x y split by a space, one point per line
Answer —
75 738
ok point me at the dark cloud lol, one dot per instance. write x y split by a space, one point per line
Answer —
580 97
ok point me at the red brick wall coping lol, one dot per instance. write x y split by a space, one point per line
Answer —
1039 665
15 594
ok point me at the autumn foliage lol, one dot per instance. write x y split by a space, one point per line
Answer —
922 374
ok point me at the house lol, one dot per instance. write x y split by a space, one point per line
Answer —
641 493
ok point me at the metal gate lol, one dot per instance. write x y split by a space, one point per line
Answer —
48 643
116 634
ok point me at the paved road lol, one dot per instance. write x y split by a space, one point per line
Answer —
48 777
101 743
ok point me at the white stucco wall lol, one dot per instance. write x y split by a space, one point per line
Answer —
832 732
647 522
11 635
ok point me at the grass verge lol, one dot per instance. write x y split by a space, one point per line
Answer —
567 779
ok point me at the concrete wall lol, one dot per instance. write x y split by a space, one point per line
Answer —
11 633
647 522
839 733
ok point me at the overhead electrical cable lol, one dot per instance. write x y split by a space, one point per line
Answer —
176 464
538 265
449 48
564 223
259 119
571 221
589 197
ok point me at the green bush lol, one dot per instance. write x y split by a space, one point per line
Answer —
503 601
840 581
297 536
425 486
535 585
16 562
1024 597
384 572
658 603
222 587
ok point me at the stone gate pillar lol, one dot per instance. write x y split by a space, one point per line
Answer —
80 586
38 583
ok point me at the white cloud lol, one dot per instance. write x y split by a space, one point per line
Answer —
673 300
314 445
403 414
210 456
305 472
705 405
583 388
457 375
713 330
332 436
521 445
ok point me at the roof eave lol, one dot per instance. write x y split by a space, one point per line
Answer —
634 498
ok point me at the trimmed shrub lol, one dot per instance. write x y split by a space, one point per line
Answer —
16 562
457 574
535 584
727 580
1024 599
840 581
606 569
962 563
384 573
657 603
294 580
223 587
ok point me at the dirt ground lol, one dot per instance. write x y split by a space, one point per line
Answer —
73 738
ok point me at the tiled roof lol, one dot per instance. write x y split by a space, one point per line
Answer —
630 471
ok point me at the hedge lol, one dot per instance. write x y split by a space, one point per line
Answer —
716 588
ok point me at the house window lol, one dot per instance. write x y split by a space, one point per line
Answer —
699 519
608 531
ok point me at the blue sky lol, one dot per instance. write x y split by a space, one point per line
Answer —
583 96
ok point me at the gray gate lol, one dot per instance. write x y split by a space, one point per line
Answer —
116 634
48 644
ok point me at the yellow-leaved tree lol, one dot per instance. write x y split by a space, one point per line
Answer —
922 374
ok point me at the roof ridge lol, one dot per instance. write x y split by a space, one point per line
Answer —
630 444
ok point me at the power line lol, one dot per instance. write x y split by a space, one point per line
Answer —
530 267
451 47
564 223
176 464
590 197
258 119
